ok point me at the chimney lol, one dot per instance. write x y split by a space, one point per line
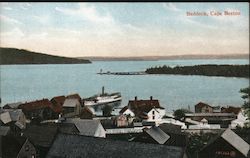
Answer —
135 98
151 98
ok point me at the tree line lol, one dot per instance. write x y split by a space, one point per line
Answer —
206 70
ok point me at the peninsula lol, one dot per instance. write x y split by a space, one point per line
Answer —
206 70
13 56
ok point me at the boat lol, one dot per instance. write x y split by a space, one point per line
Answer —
103 99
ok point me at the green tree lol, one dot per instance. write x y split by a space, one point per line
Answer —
246 106
180 113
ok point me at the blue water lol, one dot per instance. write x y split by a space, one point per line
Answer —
31 82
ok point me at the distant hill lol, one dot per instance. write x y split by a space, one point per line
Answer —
171 57
13 56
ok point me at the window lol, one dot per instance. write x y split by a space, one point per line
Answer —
153 117
27 148
153 112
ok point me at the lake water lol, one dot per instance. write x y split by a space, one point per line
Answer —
31 82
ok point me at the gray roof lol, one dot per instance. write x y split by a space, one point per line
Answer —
42 135
209 114
15 114
85 127
4 130
8 115
236 141
5 117
12 105
157 134
74 146
71 102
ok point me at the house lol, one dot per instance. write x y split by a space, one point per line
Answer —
71 107
241 120
203 108
86 113
74 96
14 118
166 134
152 135
177 137
41 136
147 110
19 147
74 146
121 121
224 119
88 127
12 105
57 103
231 109
39 109
126 111
226 144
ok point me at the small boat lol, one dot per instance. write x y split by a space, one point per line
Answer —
103 99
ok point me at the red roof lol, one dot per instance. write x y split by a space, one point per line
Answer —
123 109
140 107
201 104
38 104
231 109
57 103
86 109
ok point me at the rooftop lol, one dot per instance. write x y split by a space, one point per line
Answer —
73 146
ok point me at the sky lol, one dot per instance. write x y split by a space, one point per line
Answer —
124 29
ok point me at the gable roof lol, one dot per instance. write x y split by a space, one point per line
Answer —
74 96
231 109
85 127
12 149
140 107
233 139
123 109
71 102
170 128
201 104
12 105
73 146
236 141
42 135
57 103
34 105
157 134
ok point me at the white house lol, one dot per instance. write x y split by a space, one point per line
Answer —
240 121
126 111
156 114
146 110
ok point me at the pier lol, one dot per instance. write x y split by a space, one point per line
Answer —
122 73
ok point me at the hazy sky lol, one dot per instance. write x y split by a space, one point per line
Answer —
124 29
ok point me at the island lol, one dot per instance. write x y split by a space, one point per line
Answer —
206 70
13 56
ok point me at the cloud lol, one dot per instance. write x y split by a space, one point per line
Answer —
171 7
87 12
9 20
15 33
7 8
44 19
